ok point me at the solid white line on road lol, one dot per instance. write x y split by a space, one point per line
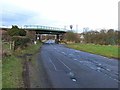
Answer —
65 65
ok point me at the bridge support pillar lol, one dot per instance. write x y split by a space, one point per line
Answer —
38 37
57 39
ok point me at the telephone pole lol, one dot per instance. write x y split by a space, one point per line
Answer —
76 28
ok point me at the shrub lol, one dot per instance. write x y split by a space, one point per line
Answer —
15 31
20 42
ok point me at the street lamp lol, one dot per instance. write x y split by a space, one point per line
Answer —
71 26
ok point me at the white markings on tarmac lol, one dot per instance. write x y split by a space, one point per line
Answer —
98 68
65 65
53 65
61 62
108 69
113 78
104 57
75 59
99 64
70 54
74 80
63 52
91 54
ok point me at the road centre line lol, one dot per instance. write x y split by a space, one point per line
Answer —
64 64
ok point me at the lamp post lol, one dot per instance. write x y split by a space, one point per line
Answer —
76 28
71 26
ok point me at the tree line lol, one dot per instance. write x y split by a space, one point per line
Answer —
102 37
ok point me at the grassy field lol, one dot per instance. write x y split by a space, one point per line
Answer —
104 50
12 66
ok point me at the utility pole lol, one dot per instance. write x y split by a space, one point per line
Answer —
76 28
64 27
10 45
71 26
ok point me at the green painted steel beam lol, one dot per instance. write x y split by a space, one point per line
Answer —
38 27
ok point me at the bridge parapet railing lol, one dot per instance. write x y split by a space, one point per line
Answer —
43 27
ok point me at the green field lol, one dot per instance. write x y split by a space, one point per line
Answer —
104 50
12 67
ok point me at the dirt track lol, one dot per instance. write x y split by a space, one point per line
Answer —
34 74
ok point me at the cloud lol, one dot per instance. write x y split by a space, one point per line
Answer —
15 17
84 13
12 14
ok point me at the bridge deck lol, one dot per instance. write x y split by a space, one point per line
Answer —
38 27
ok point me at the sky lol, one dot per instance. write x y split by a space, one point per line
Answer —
94 14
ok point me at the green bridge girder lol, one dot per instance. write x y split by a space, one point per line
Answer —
45 29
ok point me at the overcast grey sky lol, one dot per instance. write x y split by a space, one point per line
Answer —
94 14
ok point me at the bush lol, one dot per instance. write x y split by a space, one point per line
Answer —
15 31
6 53
20 42
22 32
72 37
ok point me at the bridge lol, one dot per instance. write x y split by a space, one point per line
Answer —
39 30
58 32
45 29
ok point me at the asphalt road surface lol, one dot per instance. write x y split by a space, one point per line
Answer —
69 68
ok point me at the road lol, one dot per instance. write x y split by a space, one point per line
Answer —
69 68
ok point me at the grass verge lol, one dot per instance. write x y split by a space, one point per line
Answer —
104 50
11 72
0 64
29 50
12 67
